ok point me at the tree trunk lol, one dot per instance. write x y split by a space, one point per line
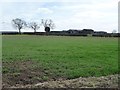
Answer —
19 31
34 30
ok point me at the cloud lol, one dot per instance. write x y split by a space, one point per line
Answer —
37 0
99 15
23 0
95 14
44 11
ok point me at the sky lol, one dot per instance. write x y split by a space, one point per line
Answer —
99 15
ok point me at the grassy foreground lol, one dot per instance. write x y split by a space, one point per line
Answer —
61 56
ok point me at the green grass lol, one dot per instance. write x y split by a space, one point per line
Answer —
64 56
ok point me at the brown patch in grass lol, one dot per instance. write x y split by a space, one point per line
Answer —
22 72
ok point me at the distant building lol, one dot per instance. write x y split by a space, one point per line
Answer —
99 33
87 31
73 31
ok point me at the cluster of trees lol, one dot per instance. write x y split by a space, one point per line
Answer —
20 24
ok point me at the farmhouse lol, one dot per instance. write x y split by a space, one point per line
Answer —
77 32
99 33
87 31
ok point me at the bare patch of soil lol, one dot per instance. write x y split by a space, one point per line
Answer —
110 81
21 73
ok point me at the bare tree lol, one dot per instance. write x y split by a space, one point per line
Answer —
19 24
114 31
34 26
48 24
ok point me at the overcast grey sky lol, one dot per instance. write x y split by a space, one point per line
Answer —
100 15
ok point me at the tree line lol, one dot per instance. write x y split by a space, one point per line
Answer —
20 24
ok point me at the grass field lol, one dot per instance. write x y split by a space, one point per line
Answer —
42 58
